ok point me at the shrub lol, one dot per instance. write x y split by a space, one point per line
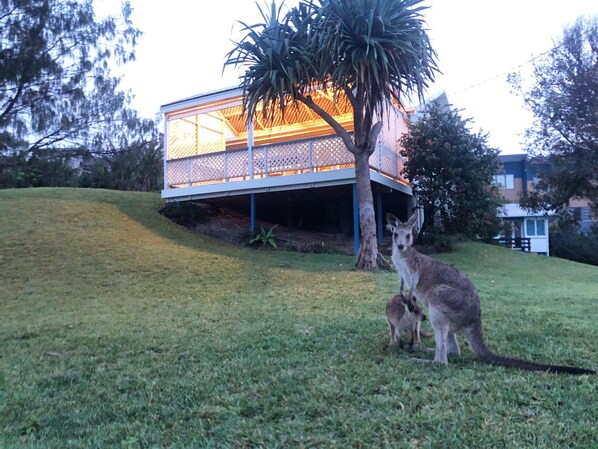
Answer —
578 247
438 239
264 237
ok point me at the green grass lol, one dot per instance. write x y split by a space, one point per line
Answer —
121 329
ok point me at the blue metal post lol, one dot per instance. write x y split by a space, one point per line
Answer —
355 221
379 216
252 212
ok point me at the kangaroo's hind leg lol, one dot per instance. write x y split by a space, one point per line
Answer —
441 331
452 346
440 336
393 332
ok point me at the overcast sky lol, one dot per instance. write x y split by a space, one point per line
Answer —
478 42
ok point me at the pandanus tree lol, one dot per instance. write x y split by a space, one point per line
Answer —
371 51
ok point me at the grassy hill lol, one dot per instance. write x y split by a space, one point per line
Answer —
121 329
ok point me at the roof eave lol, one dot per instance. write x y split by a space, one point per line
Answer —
197 100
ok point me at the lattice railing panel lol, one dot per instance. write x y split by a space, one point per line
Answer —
386 158
287 157
389 162
177 172
390 133
260 161
330 152
207 167
237 164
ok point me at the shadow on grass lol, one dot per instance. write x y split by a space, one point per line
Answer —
143 208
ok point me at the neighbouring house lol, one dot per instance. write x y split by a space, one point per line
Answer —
529 230
294 171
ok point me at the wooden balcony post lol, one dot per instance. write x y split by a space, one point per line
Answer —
165 151
250 148
252 212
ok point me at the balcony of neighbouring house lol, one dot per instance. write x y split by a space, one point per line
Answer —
213 150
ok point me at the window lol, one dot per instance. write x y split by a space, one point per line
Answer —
535 227
505 181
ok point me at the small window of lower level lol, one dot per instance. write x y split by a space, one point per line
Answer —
535 227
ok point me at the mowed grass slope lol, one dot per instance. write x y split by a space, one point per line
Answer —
121 329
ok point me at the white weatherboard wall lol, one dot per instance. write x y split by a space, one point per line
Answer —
534 226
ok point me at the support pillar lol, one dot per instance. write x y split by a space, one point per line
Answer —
355 221
250 148
252 212
379 217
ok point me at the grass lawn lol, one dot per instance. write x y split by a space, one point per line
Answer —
120 329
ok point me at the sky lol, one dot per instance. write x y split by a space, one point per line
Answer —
184 45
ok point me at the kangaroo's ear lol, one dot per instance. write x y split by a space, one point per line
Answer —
411 221
392 220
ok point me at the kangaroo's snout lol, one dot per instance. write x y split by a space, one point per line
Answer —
401 247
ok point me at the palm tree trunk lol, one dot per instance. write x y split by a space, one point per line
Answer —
369 258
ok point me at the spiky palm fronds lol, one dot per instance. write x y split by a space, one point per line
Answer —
373 50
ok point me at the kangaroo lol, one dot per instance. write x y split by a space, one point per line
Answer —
452 301
403 314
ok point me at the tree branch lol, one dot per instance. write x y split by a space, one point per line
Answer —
374 133
11 103
338 129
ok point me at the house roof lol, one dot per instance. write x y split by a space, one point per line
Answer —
512 157
514 210
225 92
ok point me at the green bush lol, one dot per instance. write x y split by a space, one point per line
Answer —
578 247
264 237
438 239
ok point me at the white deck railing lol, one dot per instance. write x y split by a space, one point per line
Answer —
288 158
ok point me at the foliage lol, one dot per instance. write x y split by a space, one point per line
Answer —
45 168
438 239
134 162
264 237
370 50
136 166
57 92
564 101
171 339
451 169
576 246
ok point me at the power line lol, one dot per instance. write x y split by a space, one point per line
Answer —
529 61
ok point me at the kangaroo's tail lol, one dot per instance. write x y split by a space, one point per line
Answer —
476 341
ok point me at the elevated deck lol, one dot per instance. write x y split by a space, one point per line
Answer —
214 150
315 162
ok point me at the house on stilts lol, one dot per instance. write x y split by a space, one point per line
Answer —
293 170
